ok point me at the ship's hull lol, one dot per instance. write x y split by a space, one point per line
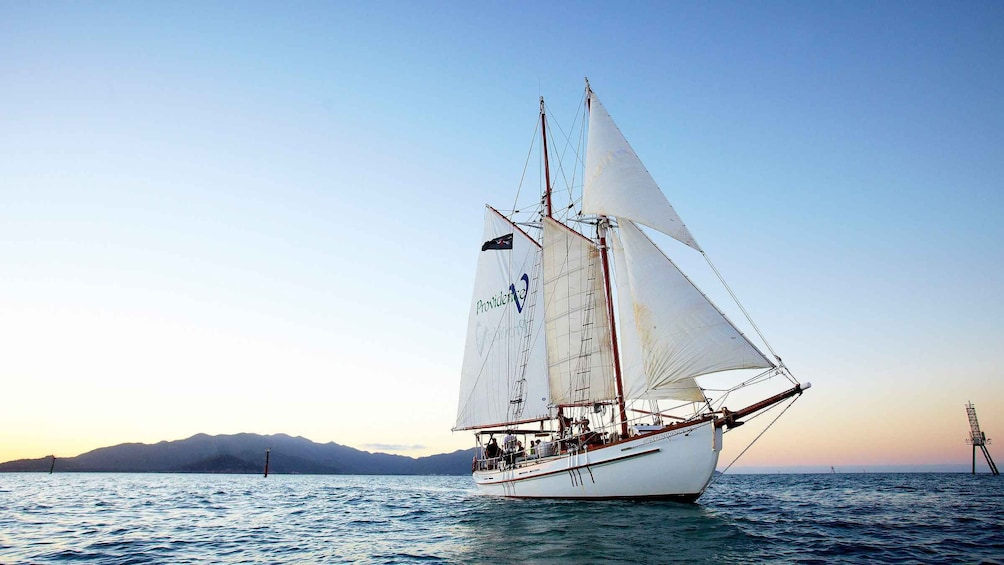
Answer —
676 464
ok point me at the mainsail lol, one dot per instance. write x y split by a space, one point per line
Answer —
577 327
504 360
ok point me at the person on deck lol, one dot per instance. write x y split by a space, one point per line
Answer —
587 436
493 451
564 423
509 443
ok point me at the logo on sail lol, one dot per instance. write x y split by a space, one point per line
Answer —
514 294
485 338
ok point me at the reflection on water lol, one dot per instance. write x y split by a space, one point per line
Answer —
548 531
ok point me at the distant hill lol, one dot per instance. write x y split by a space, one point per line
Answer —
245 453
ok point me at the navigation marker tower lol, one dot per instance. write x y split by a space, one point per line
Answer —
978 438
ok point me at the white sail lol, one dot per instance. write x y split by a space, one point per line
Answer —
618 184
636 383
577 326
681 334
503 376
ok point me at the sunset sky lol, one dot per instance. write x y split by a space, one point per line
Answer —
264 217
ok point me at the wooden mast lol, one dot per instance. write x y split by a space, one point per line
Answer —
547 170
601 230
547 196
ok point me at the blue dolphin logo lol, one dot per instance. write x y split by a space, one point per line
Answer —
515 295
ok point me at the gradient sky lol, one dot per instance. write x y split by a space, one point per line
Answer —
264 217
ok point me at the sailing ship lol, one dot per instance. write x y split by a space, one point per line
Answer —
585 340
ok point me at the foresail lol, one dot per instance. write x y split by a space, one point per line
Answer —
633 376
579 346
618 184
503 378
681 334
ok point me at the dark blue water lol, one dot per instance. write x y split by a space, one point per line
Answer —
864 518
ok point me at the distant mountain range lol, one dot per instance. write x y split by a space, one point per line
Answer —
245 453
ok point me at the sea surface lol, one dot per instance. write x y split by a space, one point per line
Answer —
163 518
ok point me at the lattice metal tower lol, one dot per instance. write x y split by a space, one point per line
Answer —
978 439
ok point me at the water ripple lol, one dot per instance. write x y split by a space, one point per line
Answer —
121 518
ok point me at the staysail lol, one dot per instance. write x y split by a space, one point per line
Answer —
681 334
636 383
618 184
502 380
577 325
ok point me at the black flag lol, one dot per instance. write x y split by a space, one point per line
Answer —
503 242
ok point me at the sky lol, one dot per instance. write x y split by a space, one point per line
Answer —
227 217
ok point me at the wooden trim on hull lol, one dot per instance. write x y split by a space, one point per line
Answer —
681 498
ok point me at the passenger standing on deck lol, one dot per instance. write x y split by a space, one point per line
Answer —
493 451
509 443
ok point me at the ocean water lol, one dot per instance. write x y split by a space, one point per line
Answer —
842 518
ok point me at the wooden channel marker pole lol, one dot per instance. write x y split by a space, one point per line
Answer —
266 460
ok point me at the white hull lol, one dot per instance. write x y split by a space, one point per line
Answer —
673 464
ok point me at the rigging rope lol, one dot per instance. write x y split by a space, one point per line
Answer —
756 328
559 162
743 452
741 307
526 165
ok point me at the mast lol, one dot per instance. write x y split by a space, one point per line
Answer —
601 232
547 170
601 229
